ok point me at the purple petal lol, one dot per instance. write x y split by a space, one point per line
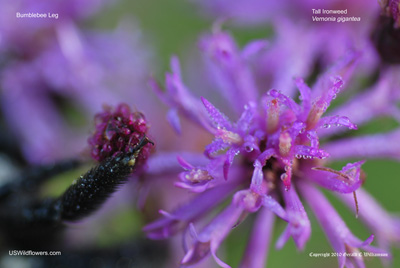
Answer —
257 178
283 238
173 119
380 100
230 72
291 104
372 146
178 97
195 188
253 48
175 66
216 116
307 152
250 144
212 235
286 59
267 154
186 165
271 204
248 200
305 94
215 146
342 68
257 248
296 128
202 203
244 121
298 224
313 137
230 155
345 181
153 84
334 227
162 163
336 120
385 226
195 179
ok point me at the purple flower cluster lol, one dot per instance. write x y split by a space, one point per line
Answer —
270 158
118 131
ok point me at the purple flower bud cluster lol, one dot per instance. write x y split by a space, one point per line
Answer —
118 131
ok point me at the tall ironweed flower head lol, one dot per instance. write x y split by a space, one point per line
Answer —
271 157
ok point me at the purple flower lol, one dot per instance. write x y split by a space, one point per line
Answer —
270 156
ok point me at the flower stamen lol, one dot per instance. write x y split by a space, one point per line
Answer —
285 144
272 116
229 136
315 114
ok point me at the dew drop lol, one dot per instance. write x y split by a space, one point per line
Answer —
324 106
249 149
274 93
327 126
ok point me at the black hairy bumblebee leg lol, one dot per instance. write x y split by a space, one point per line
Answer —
37 223
26 221
92 189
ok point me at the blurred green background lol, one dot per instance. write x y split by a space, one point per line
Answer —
172 27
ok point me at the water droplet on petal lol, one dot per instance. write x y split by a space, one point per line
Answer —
249 149
273 92
327 126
